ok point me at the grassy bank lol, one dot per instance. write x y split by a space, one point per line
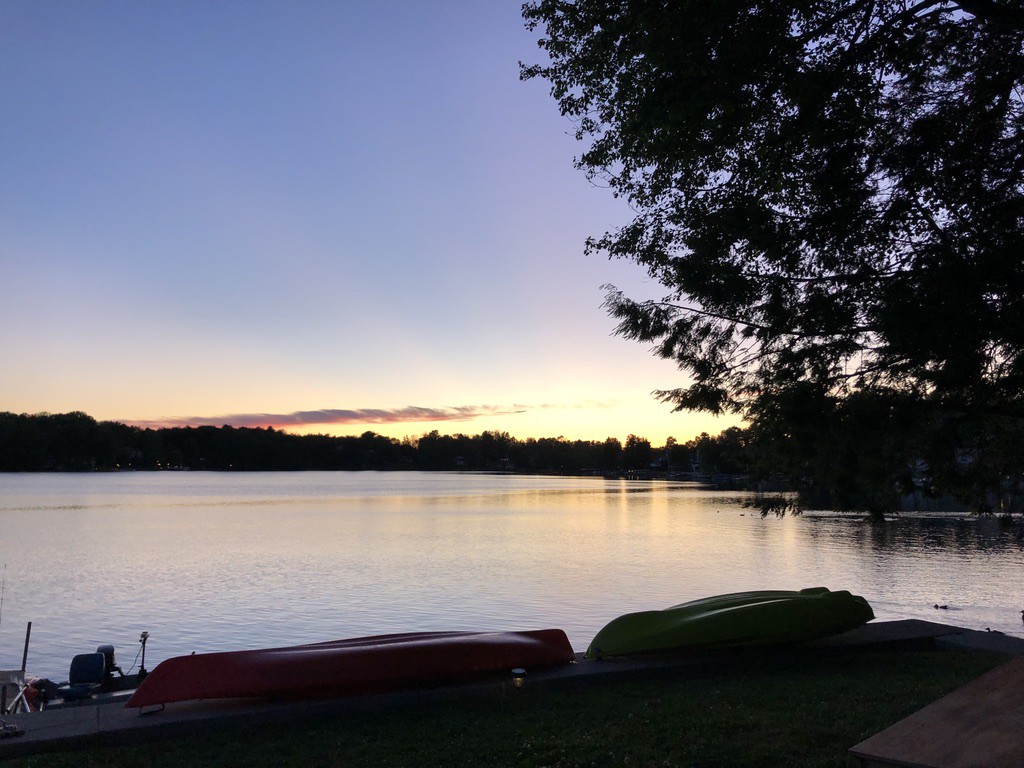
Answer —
800 711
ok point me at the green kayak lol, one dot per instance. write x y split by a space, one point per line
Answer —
724 621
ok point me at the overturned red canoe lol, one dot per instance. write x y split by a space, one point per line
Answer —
343 667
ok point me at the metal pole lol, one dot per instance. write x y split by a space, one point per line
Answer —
142 667
24 656
3 586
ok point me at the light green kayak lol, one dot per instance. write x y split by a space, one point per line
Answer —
770 617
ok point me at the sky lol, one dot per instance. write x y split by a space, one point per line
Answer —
327 217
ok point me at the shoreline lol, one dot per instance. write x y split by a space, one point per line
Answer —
90 726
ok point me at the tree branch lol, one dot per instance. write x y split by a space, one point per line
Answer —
758 326
1007 14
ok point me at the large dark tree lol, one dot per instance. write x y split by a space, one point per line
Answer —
831 193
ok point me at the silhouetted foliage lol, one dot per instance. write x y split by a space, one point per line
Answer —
76 442
610 457
636 454
832 194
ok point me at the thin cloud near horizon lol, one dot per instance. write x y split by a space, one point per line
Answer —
327 416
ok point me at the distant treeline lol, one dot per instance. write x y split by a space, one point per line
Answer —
76 442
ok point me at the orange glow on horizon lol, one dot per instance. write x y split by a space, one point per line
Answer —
589 427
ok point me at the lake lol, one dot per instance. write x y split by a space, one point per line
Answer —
220 561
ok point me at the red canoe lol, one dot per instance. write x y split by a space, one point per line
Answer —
343 667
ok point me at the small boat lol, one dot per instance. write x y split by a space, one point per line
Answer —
383 663
772 617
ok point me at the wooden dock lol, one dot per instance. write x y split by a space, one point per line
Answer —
980 725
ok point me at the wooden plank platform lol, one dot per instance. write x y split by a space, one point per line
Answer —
980 725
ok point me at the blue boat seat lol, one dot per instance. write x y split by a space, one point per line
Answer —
85 677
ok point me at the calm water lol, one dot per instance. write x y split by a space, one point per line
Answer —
209 561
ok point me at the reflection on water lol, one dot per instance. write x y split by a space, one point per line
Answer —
209 561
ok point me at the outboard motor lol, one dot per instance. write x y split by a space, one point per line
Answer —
109 665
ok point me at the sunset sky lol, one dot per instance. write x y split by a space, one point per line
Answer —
324 216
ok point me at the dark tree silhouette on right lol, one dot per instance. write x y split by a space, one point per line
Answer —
831 194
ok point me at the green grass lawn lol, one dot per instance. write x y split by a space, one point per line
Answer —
792 710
